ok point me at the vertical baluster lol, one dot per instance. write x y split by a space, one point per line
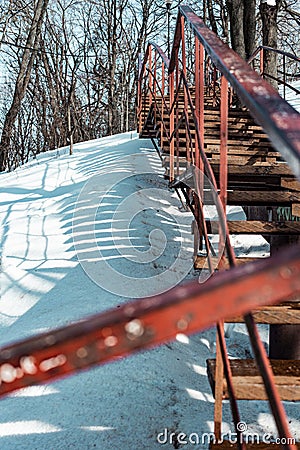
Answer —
171 130
198 236
284 77
154 84
223 197
139 99
197 98
188 144
223 142
261 61
150 74
177 81
162 102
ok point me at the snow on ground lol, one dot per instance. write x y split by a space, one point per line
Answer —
291 96
111 198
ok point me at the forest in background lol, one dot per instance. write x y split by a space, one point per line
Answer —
69 68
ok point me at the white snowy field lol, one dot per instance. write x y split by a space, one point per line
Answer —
81 234
291 96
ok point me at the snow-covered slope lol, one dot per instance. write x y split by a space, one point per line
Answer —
46 211
292 97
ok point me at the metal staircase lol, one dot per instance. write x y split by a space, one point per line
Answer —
226 137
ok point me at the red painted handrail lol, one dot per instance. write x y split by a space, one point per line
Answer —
147 322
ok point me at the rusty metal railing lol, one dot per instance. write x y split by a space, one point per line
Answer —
227 73
144 323
287 62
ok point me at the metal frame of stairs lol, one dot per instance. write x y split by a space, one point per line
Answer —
224 133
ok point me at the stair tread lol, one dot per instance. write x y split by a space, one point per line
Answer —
288 227
248 384
286 313
201 261
264 168
255 196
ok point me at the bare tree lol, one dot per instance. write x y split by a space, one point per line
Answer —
269 13
76 79
22 79
242 26
5 13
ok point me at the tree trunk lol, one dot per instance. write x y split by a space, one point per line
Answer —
249 27
269 29
236 17
211 16
22 80
70 131
242 26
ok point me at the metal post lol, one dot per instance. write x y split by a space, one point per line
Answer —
155 83
223 142
162 103
150 74
284 339
220 335
168 6
189 156
284 77
261 62
171 130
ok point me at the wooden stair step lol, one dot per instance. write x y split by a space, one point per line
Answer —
148 134
260 169
238 147
239 141
256 177
252 156
235 156
291 184
243 151
285 313
245 198
252 178
238 183
296 210
201 261
248 384
182 161
213 145
257 227
233 133
255 197
234 125
226 445
235 117
212 125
